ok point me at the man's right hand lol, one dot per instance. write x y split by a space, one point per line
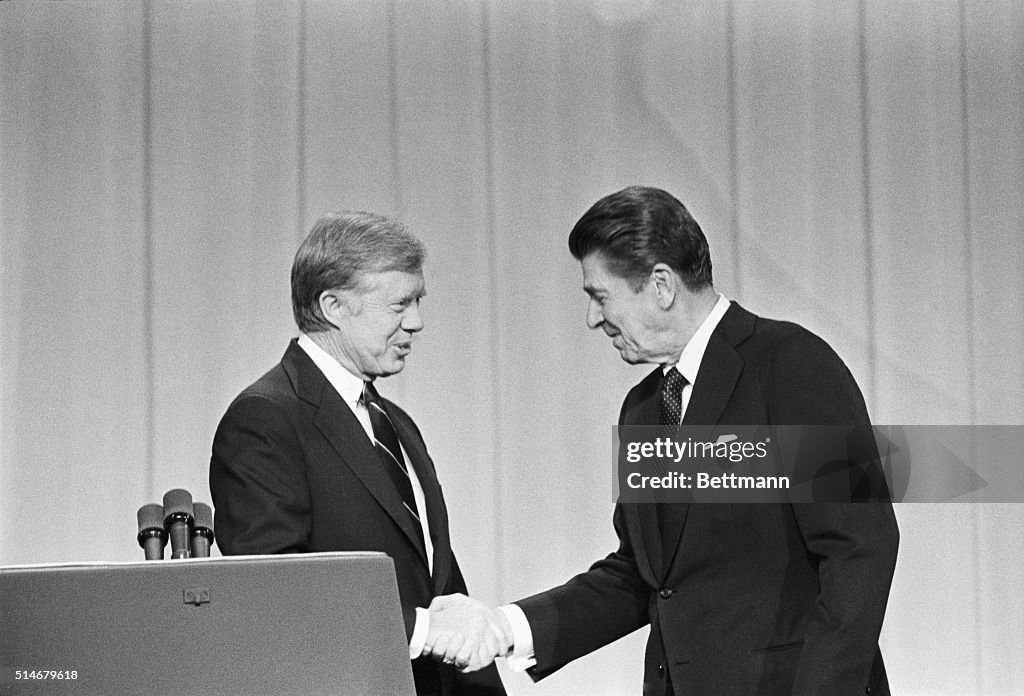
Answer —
466 632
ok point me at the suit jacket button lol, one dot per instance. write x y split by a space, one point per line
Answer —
665 593
867 690
661 669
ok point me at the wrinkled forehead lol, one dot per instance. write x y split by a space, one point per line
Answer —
394 285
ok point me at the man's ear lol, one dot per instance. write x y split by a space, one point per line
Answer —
336 305
666 285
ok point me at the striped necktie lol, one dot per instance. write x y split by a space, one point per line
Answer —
390 452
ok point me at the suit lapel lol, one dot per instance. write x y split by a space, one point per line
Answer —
437 514
642 517
342 430
650 557
720 370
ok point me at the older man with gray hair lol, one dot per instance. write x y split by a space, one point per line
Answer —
311 457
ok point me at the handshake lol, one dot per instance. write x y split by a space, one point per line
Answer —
466 633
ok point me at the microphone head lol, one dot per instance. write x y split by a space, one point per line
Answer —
152 535
178 504
204 516
150 516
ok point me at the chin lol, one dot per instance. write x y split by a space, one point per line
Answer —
634 358
631 358
391 368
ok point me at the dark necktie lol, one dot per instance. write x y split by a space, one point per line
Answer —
671 414
390 452
672 397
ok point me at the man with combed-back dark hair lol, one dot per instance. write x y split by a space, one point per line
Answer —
638 227
311 458
742 599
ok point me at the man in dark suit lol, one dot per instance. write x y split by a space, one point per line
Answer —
311 458
742 599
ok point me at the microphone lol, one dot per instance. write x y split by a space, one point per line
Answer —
178 519
152 536
202 531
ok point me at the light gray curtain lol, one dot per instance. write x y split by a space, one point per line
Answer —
858 166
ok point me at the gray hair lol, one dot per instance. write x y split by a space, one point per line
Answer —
342 247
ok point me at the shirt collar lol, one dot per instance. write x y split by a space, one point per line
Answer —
693 353
349 386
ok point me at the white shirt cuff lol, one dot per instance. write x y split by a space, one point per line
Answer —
521 657
419 633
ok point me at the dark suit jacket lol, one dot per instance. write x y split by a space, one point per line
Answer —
748 599
293 471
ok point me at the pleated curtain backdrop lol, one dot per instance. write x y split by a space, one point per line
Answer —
858 166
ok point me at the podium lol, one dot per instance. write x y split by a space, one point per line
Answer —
291 625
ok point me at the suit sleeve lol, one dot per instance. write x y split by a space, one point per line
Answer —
608 601
853 544
258 481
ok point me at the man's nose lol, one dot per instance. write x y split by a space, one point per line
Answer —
412 320
594 316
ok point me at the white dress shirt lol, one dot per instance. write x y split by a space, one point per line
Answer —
693 353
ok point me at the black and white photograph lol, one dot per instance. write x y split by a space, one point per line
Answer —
371 347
